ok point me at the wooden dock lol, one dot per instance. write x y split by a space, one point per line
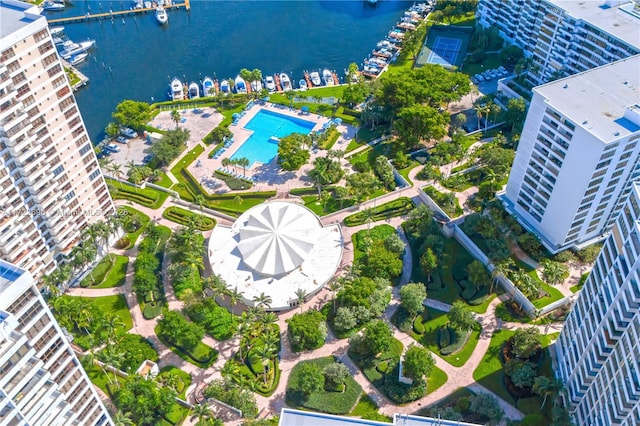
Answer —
114 14
277 79
336 80
308 79
216 85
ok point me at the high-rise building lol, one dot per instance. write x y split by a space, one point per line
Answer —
598 351
51 186
41 380
578 154
566 37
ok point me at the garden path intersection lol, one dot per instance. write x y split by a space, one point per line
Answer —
457 376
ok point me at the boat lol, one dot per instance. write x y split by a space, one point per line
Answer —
75 60
208 88
161 15
327 77
256 86
51 6
285 82
372 1
56 30
177 93
315 78
57 40
241 85
73 49
225 87
194 90
270 84
87 44
303 84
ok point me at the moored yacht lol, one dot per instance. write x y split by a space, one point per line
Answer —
177 94
225 87
270 83
75 60
315 78
241 85
208 88
161 15
327 77
285 82
56 30
303 84
194 90
256 86
52 7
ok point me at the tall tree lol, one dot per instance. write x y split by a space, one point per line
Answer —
418 363
412 298
460 316
133 114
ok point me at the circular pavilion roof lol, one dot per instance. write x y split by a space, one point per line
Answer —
276 238
276 248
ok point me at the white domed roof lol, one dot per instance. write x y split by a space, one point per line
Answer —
277 237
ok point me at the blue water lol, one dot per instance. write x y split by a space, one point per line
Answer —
135 57
266 124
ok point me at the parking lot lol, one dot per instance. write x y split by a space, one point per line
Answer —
133 150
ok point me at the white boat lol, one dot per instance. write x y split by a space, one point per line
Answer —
327 77
57 40
285 82
194 90
147 5
269 83
52 6
208 88
241 85
74 49
303 84
256 86
56 30
177 94
87 44
315 78
75 60
161 15
225 87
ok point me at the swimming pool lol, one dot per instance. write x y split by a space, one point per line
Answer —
265 124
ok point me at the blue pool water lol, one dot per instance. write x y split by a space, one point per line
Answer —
266 124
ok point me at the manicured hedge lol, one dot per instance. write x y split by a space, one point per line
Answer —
147 197
233 182
394 208
184 217
152 310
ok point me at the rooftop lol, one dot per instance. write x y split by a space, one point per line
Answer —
603 100
9 273
621 19
276 248
16 14
290 417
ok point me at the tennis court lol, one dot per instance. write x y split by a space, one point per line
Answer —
445 46
445 51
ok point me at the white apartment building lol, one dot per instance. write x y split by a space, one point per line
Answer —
51 186
578 154
41 379
565 37
598 351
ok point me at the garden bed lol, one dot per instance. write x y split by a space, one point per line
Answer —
134 231
186 217
234 183
202 355
110 272
394 208
447 202
147 197
324 401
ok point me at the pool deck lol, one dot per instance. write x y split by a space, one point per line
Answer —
268 176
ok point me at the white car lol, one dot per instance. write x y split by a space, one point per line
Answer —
113 147
493 73
503 69
479 77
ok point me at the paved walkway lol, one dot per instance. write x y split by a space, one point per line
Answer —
457 376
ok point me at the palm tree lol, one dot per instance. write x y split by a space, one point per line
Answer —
335 286
230 370
114 358
116 170
202 412
226 162
319 175
112 324
122 419
526 283
175 116
170 379
501 269
265 353
547 387
244 162
235 296
267 320
263 300
301 294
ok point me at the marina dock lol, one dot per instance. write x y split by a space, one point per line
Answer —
336 80
113 14
277 78
308 80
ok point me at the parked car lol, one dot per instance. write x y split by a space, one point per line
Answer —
493 73
121 139
486 75
147 158
502 69
128 133
479 77
112 147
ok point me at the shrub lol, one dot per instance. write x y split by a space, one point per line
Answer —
185 217
234 183
457 342
418 325
307 331
462 405
152 310
529 405
444 337
401 393
536 419
217 321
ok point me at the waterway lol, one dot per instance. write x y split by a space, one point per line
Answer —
135 57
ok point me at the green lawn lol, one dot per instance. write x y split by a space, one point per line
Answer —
324 401
448 203
576 288
405 172
148 197
554 295
144 219
202 356
110 272
112 305
489 372
367 409
187 160
398 207
489 61
376 233
179 412
185 217
429 338
164 181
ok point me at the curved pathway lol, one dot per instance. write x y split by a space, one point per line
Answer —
457 376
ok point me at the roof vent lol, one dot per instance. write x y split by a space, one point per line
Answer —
585 121
626 82
565 86
616 134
